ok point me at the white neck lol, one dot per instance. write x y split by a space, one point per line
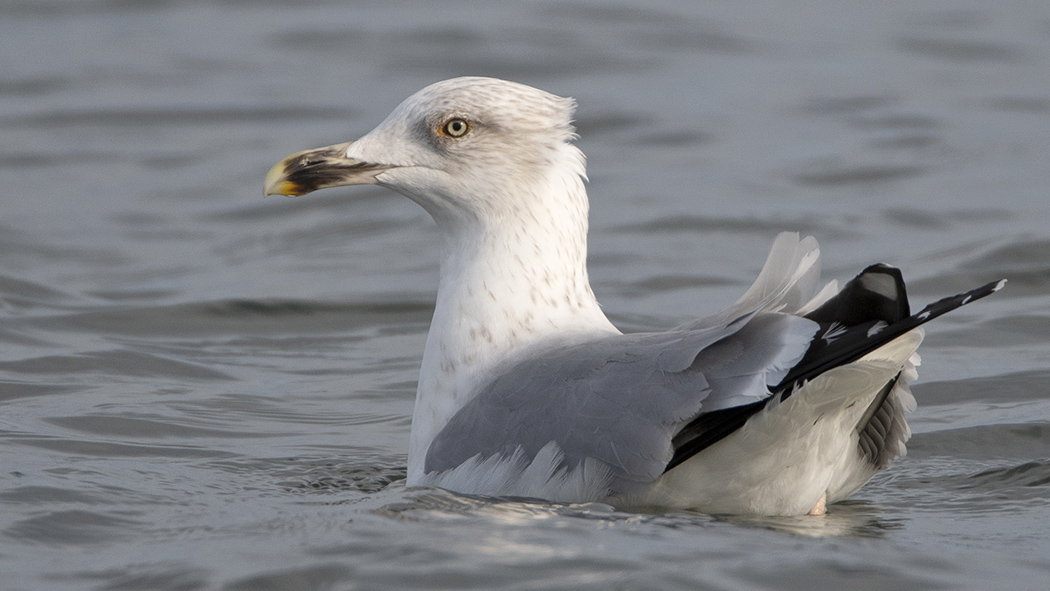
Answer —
509 279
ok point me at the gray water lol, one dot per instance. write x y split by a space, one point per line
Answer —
202 389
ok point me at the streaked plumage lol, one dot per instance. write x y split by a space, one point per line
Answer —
791 397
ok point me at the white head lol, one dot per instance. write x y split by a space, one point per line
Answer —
462 148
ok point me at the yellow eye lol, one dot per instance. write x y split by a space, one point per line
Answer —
455 127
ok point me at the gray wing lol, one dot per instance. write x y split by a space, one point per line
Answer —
621 399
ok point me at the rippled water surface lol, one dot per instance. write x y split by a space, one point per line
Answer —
202 389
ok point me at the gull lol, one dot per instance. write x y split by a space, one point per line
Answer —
789 400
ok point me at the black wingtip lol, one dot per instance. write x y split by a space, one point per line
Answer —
857 341
876 293
943 306
862 338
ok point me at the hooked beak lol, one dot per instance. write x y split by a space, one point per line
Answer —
320 168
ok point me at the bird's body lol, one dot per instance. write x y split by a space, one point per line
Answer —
526 388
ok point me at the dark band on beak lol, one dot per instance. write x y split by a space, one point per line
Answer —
308 171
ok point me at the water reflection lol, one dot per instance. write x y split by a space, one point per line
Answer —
851 519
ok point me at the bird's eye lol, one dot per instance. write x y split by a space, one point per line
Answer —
455 127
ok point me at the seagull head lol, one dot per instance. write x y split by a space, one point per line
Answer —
465 147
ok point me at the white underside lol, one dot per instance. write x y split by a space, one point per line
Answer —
781 462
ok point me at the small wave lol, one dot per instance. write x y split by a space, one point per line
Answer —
73 528
1027 474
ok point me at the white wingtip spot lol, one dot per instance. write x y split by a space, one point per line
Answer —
999 286
876 328
833 332
880 283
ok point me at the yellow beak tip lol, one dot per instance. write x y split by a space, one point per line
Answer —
282 188
277 184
